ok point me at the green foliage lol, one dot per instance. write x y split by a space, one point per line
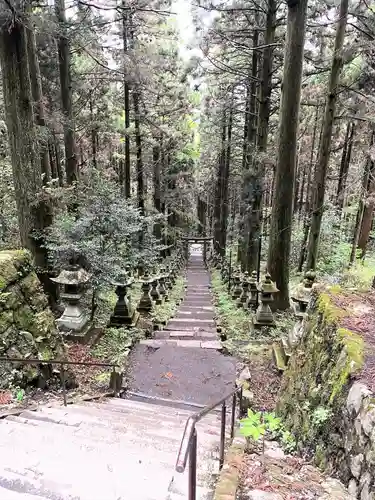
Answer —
236 322
115 344
320 415
104 233
163 312
257 424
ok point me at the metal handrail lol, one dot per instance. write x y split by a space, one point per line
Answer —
188 446
61 362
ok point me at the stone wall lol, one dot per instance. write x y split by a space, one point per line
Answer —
330 414
27 326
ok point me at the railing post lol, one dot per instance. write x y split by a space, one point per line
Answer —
233 416
222 434
193 467
63 383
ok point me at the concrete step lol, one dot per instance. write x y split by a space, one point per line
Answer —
202 308
112 450
194 314
190 323
203 344
185 335
196 303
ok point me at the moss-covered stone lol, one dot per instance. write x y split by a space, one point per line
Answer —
316 382
6 320
32 291
27 326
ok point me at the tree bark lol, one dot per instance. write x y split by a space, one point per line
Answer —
369 205
138 144
34 214
156 160
225 184
71 168
248 147
325 146
258 167
39 112
127 174
281 220
219 188
344 165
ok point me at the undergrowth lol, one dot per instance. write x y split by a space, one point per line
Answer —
163 312
115 344
236 322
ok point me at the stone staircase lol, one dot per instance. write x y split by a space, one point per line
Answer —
194 324
126 449
114 450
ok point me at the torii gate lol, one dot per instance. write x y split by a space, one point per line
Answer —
203 240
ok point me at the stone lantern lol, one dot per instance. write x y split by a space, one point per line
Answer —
73 280
168 278
264 316
162 284
146 303
237 288
123 313
253 291
302 294
155 292
173 271
242 300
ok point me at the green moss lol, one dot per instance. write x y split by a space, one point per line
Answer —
354 346
6 320
320 458
331 313
23 318
351 360
13 264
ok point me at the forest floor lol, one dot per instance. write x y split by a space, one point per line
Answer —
267 473
90 381
359 317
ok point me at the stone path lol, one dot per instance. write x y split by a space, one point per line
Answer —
183 361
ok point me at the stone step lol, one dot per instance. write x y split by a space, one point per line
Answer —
204 344
179 326
196 308
185 335
193 321
86 460
199 315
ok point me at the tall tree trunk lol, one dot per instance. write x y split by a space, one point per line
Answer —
344 165
156 160
368 172
281 221
138 144
325 146
94 133
219 188
71 168
225 184
34 214
258 167
248 147
39 112
125 37
369 205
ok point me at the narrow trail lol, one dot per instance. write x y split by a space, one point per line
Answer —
183 361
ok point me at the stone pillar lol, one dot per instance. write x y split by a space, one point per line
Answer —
264 316
253 292
123 314
155 294
145 304
237 288
73 318
244 297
